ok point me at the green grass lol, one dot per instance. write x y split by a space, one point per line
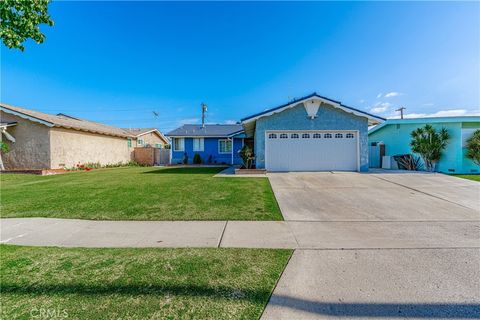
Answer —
138 283
139 194
474 177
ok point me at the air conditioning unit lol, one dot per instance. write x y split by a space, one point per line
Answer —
389 163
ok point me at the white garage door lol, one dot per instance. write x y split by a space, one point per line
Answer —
311 150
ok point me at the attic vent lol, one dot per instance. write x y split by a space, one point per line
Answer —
311 107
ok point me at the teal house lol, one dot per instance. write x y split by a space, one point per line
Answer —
394 134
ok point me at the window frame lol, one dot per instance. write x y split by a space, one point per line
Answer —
226 141
129 142
338 135
317 135
305 135
294 136
272 136
350 135
174 144
201 144
327 135
283 136
140 142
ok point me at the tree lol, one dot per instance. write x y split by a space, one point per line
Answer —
473 147
429 144
20 20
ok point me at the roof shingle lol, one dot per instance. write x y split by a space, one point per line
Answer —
209 130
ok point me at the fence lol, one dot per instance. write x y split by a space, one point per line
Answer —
151 156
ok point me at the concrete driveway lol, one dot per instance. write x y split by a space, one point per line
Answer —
365 280
326 196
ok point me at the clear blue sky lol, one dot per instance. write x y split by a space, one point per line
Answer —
115 62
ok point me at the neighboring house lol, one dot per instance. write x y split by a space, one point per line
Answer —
45 141
313 133
146 137
215 143
395 135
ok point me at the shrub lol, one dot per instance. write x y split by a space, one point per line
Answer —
197 159
473 147
247 156
185 158
429 144
408 162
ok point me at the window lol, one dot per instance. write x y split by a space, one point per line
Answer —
178 144
129 143
306 136
338 135
272 136
350 136
283 136
224 146
158 145
140 142
317 136
294 136
327 135
197 144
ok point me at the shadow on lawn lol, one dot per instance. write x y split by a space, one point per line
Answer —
337 309
220 292
187 170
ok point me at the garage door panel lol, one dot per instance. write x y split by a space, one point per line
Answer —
311 154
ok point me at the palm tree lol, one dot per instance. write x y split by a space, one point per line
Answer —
473 147
429 144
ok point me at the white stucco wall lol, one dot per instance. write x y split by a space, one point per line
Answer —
70 147
31 149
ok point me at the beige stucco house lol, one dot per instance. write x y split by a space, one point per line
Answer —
43 141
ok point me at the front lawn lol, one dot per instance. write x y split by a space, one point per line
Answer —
474 177
137 283
139 194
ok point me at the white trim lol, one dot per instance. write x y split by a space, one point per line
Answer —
322 100
178 150
24 116
218 145
356 132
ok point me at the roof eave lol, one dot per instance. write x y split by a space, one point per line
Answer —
371 118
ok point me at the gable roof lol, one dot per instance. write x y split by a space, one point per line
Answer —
137 132
425 121
372 119
63 121
209 130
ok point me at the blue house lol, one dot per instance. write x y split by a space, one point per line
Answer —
313 133
214 143
395 135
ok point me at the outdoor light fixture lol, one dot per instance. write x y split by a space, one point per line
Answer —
311 107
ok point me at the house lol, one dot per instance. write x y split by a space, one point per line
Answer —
214 143
394 134
146 137
39 140
313 133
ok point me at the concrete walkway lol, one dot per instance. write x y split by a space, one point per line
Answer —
244 234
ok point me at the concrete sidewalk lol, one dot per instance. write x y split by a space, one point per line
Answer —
244 234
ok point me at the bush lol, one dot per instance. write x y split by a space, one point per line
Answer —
429 144
185 158
247 156
197 159
408 162
473 147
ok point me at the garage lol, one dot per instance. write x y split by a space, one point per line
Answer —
311 150
312 133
